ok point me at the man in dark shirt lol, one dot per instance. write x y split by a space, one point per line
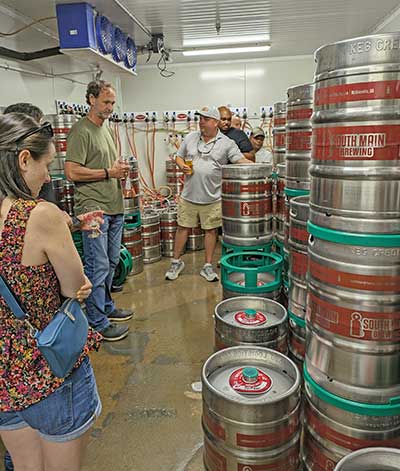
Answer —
242 141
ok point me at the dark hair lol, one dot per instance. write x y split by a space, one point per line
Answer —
95 87
25 108
12 127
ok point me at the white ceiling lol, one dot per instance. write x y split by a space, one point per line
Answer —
295 27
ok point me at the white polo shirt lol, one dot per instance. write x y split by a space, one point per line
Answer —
204 185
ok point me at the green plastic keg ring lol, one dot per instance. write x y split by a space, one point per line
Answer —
291 192
351 238
230 248
131 226
297 320
262 263
124 267
361 408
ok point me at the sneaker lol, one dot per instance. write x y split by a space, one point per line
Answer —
208 273
120 315
114 332
176 267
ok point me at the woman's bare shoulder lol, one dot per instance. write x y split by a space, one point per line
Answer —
46 215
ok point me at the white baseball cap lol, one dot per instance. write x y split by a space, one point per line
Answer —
209 112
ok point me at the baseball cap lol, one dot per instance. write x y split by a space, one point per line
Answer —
209 112
257 132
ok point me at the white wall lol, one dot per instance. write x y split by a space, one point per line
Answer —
42 91
251 84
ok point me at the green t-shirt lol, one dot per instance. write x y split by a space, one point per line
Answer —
93 147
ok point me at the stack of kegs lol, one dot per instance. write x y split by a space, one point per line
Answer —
134 175
247 266
279 133
151 236
175 177
130 190
57 184
298 136
247 206
62 124
298 156
168 226
195 239
279 216
69 190
298 264
251 410
352 363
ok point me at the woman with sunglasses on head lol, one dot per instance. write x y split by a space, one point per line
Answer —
44 420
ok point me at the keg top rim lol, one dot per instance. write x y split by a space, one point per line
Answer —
270 400
337 59
348 459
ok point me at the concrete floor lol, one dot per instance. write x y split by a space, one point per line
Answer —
151 418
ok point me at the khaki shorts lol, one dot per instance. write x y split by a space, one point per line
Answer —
189 214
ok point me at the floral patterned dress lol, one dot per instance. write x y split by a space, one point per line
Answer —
25 377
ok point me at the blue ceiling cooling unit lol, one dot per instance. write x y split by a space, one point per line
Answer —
76 25
104 34
131 54
86 32
119 46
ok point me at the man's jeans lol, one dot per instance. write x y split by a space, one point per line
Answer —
101 258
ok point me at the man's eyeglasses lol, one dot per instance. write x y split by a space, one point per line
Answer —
204 148
45 129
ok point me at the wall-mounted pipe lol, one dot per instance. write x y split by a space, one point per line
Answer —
38 74
28 56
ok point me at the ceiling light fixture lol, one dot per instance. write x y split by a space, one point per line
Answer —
225 50
220 40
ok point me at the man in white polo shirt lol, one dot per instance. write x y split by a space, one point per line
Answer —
207 149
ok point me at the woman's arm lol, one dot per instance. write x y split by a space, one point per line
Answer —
55 241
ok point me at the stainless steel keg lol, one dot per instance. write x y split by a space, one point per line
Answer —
250 320
251 404
355 153
298 255
132 240
297 339
371 459
298 136
247 204
131 205
280 199
334 427
62 125
195 240
168 227
353 314
151 237
279 133
175 177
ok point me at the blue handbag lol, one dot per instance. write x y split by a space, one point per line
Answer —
62 341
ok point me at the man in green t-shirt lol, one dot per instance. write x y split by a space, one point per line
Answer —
92 164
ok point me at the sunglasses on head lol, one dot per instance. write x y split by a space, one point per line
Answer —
45 129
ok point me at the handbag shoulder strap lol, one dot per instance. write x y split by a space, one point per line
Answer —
13 304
